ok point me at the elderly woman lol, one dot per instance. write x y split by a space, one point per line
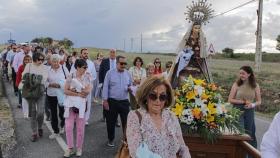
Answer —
56 77
36 106
150 69
77 87
158 128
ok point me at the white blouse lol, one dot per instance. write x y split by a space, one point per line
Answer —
55 76
270 146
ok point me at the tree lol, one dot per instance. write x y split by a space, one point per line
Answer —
67 43
228 52
44 41
278 42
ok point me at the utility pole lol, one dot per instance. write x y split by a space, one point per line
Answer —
258 55
131 46
123 44
141 43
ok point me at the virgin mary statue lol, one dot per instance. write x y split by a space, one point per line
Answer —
191 53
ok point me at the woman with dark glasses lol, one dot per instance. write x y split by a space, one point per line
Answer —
153 125
39 73
77 87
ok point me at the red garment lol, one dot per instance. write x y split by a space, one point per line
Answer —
157 71
19 73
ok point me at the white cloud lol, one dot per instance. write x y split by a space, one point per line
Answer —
107 23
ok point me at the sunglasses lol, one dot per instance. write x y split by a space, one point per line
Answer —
41 59
161 97
123 63
157 62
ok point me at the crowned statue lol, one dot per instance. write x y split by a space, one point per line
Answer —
191 52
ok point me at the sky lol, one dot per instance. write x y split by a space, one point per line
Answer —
120 23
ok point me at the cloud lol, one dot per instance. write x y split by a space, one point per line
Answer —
107 24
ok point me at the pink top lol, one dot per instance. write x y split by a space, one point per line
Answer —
166 142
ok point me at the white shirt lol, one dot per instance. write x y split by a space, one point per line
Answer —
55 76
10 56
270 146
18 60
113 63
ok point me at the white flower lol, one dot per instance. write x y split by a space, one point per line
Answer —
219 108
199 102
199 89
187 112
204 109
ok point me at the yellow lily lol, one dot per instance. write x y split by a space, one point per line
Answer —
204 96
178 109
212 109
199 81
190 95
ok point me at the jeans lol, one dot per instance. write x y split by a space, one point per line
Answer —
116 107
36 111
247 121
69 127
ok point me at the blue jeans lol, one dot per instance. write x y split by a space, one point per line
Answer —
247 121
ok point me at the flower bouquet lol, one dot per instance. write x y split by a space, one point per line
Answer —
201 110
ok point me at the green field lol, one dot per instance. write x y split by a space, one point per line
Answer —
225 72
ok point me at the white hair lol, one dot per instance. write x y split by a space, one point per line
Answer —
55 57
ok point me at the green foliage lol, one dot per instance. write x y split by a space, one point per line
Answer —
278 43
266 57
44 41
66 43
49 42
228 52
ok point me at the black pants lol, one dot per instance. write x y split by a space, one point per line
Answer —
19 98
14 76
53 104
47 108
116 107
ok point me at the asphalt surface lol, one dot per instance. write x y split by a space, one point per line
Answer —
95 135
94 142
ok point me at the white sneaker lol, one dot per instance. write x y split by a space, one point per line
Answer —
79 152
68 153
62 130
53 136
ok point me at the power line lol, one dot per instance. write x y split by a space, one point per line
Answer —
239 6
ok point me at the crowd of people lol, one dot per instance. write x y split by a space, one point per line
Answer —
66 85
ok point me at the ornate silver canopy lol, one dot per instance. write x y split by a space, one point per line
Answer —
199 12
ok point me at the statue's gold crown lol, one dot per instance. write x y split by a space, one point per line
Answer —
199 12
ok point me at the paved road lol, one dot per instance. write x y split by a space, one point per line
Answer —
95 136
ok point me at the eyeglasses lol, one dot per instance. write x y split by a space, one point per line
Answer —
157 62
41 59
161 97
123 63
84 67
